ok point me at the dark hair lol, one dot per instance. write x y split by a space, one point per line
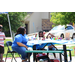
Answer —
40 32
20 30
1 27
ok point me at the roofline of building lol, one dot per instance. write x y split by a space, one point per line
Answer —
28 16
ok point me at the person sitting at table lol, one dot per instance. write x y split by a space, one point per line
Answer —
41 35
51 47
20 43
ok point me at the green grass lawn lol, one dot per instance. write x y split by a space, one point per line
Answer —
71 47
5 49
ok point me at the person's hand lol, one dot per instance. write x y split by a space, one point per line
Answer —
29 48
51 35
3 38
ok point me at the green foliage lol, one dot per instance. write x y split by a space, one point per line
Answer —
16 20
62 18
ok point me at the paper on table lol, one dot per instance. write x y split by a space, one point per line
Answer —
31 43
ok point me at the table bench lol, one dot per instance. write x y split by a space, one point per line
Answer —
69 53
43 51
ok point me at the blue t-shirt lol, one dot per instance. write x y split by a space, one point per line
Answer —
20 38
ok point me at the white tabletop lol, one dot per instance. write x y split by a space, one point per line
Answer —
35 42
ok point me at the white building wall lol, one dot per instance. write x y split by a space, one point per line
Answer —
36 18
44 15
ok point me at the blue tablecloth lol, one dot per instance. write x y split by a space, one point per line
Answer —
42 43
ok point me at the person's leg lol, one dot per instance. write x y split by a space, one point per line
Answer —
53 53
21 50
1 53
1 58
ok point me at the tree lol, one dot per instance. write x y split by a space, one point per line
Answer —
62 18
69 17
16 20
57 18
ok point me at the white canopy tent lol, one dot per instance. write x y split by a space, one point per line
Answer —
8 22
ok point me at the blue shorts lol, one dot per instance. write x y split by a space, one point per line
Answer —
21 50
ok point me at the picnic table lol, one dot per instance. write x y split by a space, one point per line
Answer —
42 43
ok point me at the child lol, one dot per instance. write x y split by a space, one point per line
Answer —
2 38
41 35
51 46
48 35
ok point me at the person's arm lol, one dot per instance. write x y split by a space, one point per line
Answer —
3 36
50 35
20 44
4 39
